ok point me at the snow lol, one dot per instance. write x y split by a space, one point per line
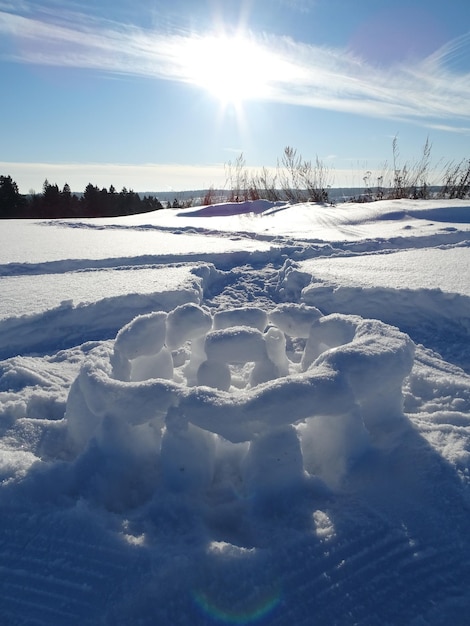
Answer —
79 288
107 239
238 344
243 413
185 323
431 268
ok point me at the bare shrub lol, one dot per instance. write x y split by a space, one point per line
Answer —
302 181
209 197
266 185
237 179
296 180
410 181
456 180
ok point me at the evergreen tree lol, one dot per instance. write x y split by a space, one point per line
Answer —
150 203
12 203
69 202
51 200
92 201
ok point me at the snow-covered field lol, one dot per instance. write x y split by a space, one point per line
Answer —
240 414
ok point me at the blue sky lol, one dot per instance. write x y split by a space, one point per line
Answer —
159 95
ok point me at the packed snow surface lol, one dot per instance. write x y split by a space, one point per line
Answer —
51 290
246 413
432 268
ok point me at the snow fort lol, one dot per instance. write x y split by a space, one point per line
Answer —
242 404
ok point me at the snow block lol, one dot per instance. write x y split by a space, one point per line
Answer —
143 336
159 365
187 454
273 462
185 323
331 446
214 374
328 332
284 401
293 319
243 316
375 362
238 344
262 372
276 348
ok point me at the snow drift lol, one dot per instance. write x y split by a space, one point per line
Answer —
236 415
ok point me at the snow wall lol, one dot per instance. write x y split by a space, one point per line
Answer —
247 404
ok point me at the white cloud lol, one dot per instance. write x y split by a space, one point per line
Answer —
431 92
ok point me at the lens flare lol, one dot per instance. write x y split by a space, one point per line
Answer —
255 610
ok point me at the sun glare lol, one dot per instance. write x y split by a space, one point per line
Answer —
232 68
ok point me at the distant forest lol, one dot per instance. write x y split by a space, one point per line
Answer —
54 202
295 180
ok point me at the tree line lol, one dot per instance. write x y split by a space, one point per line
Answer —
54 202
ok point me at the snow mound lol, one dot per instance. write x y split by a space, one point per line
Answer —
224 209
173 405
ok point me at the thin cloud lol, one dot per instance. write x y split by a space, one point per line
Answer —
301 6
431 92
159 177
14 6
140 177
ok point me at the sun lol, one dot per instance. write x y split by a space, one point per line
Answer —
232 68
